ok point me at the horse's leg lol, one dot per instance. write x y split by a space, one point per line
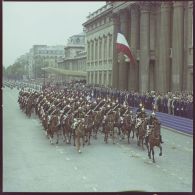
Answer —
150 149
113 135
78 143
153 154
69 136
57 133
51 137
74 135
142 141
83 139
133 129
128 135
147 145
160 154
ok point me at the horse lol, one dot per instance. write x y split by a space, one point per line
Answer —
97 122
67 129
126 127
117 122
109 128
154 140
141 131
53 128
88 128
80 134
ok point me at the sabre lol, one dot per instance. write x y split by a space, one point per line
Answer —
115 106
98 104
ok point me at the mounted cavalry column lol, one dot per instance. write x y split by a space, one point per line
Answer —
115 67
144 46
123 67
178 46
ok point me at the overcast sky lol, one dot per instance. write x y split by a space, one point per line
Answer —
51 23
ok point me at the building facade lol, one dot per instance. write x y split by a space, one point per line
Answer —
41 56
74 62
99 44
160 35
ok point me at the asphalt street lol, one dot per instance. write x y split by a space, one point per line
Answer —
32 164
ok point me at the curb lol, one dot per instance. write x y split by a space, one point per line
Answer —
177 131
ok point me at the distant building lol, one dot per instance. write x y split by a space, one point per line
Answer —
73 65
42 56
99 40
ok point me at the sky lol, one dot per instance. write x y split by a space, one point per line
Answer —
52 23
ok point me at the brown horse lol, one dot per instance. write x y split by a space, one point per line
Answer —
97 122
53 128
80 134
88 128
109 128
141 131
67 128
126 127
154 140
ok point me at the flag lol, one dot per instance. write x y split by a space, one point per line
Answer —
123 46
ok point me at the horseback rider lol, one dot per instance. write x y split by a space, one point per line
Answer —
150 124
142 114
139 109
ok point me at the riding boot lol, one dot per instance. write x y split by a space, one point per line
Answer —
161 140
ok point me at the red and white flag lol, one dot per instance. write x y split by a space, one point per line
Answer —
123 46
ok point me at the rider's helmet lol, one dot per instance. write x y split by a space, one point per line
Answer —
153 114
143 110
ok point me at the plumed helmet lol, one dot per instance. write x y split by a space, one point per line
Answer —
153 114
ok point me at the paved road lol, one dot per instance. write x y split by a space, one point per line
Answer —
32 164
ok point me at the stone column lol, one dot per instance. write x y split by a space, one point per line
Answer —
185 64
190 46
157 43
164 49
94 46
98 52
107 77
177 44
144 47
105 49
123 68
98 77
133 75
89 76
115 68
107 56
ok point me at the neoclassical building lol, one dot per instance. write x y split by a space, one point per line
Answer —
160 35
99 44
73 64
